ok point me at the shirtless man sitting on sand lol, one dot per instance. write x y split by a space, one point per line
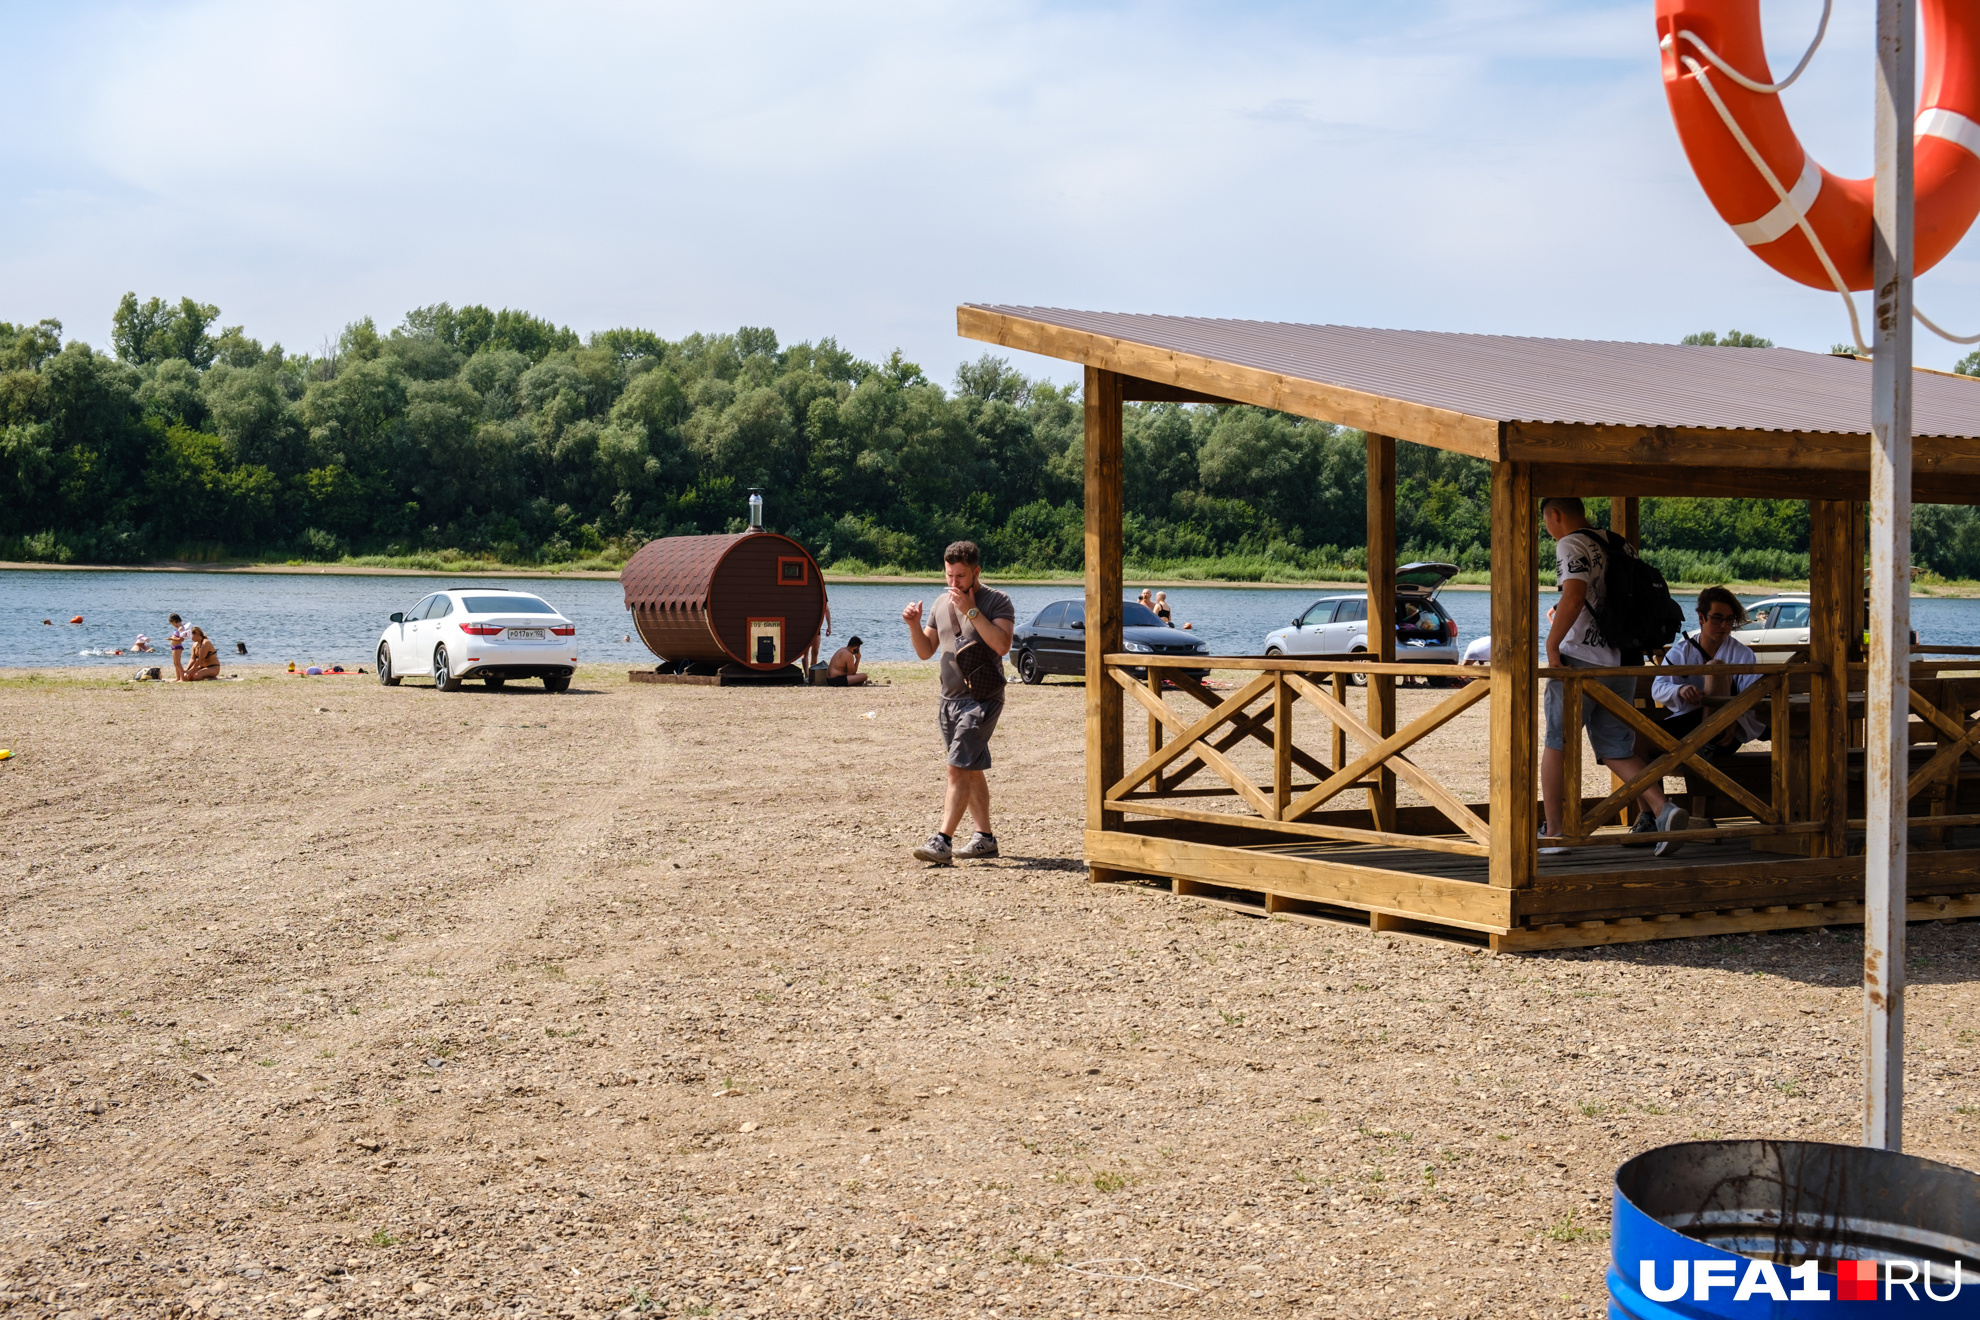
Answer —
204 662
844 668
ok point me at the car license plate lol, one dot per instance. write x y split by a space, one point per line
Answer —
525 634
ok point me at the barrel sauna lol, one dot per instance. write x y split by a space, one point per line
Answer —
754 599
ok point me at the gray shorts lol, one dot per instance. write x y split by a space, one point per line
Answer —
966 725
1607 734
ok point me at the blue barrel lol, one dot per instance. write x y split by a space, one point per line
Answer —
1790 1229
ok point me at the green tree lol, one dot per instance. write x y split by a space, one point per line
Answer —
1731 339
156 331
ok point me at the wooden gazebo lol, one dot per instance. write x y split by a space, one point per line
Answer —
1228 805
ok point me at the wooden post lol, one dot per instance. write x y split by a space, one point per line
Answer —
1338 743
1104 714
1282 744
1626 521
1515 652
1778 749
1833 579
1945 793
1382 613
1571 758
1154 725
1859 597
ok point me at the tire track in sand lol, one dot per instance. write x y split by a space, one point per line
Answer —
150 1155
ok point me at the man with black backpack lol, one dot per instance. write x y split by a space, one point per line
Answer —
1600 581
969 627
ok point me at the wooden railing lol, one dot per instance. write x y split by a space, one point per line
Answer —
1191 761
1261 709
1941 703
1350 754
1772 815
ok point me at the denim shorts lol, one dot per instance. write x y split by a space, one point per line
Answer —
966 725
1607 734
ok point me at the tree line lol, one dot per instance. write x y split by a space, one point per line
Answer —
500 435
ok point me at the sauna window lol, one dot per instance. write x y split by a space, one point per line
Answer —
793 571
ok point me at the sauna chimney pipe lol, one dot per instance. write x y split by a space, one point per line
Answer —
755 508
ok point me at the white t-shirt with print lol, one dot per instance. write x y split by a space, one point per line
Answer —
1581 556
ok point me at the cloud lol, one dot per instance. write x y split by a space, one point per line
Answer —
859 169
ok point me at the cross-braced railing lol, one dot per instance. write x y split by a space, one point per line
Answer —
1192 760
1261 709
1670 755
1944 713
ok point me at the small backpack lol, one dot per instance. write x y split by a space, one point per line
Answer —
982 669
1637 614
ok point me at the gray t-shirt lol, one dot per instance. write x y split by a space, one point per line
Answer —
954 630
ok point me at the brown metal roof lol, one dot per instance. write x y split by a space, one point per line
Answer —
1485 394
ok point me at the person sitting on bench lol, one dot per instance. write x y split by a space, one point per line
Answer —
844 669
1685 692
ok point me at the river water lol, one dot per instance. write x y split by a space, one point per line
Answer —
325 618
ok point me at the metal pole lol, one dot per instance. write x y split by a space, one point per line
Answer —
1887 705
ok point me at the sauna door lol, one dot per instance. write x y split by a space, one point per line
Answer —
766 642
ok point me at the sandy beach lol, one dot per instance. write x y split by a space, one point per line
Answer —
324 999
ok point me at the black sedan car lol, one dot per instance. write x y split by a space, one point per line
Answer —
1055 641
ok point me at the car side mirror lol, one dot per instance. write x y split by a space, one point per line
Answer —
398 618
1299 623
1080 624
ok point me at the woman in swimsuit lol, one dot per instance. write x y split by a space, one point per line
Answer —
204 662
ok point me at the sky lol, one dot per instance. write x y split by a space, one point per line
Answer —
856 170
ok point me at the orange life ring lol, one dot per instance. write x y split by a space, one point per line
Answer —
1946 166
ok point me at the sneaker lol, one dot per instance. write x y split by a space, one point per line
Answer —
1673 819
1645 823
1545 851
936 850
980 845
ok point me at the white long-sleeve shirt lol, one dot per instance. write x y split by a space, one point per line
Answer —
1686 661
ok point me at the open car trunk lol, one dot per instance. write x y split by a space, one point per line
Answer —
1423 580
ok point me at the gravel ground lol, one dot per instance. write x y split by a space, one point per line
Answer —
324 999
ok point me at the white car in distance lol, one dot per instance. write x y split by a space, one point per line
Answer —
1775 628
487 633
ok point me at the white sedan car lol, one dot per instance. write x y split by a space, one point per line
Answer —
489 633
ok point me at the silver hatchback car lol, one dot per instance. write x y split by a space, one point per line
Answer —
1338 625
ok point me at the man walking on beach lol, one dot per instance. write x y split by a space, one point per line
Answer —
967 613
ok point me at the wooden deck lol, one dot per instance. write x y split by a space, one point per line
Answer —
1229 805
1580 898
